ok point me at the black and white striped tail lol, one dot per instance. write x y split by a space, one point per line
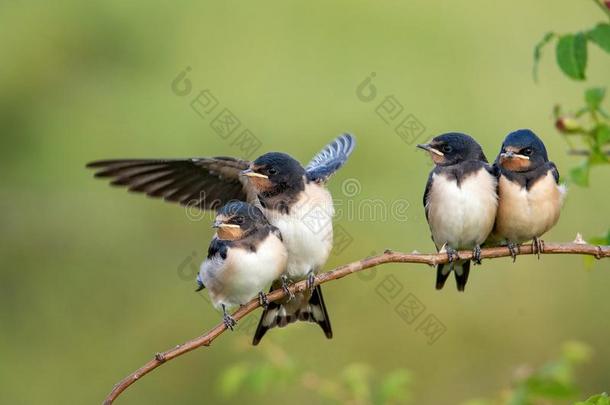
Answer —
461 268
279 315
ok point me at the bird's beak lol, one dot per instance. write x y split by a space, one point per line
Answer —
512 155
250 173
429 148
220 224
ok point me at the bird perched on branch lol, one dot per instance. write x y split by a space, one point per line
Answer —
245 256
293 198
296 200
530 196
460 201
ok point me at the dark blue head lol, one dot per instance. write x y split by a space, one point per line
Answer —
236 219
276 172
453 148
522 151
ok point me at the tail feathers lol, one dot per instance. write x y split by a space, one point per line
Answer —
442 272
318 312
461 269
298 309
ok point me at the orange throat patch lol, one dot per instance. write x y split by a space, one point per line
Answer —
515 164
261 184
229 233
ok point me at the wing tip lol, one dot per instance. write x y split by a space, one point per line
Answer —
350 140
94 164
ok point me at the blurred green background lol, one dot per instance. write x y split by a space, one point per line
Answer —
94 281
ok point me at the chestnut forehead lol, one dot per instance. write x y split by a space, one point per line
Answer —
224 217
513 148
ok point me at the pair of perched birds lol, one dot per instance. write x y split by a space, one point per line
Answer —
263 237
469 203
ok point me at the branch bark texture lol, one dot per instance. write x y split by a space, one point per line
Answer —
388 256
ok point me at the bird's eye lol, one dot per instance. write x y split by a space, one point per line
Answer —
527 152
447 148
239 220
272 171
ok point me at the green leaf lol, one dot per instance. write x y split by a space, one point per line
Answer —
601 399
571 52
602 134
357 380
580 175
232 379
597 157
576 352
260 379
601 240
548 388
601 36
538 51
594 97
519 396
394 387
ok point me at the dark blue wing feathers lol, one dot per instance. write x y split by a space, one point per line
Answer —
331 158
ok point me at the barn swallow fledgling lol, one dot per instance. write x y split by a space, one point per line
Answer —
245 256
291 196
287 193
460 201
529 193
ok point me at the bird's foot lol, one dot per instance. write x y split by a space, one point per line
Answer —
285 283
227 319
311 279
476 255
452 255
514 250
537 246
262 299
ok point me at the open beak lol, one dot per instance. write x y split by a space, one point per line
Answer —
429 148
250 173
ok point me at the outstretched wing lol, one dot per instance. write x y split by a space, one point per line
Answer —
206 183
331 158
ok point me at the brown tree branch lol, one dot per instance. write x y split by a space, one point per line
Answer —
577 247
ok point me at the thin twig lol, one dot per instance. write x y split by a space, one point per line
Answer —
340 272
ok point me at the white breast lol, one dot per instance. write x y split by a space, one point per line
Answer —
524 214
243 274
307 230
462 217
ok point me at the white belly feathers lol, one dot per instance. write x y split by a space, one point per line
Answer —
307 231
462 216
243 274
